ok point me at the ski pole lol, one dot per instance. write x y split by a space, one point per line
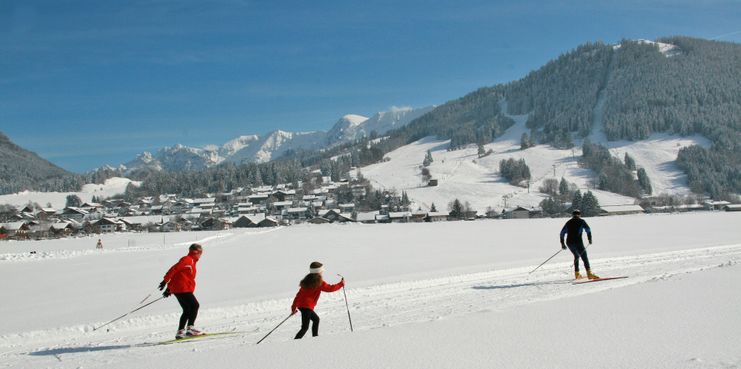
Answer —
148 296
543 263
132 311
346 305
276 327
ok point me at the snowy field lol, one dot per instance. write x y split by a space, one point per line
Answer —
462 175
433 295
111 187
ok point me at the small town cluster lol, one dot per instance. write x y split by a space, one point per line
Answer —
264 206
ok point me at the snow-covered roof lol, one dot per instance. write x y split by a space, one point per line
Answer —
283 203
297 210
400 214
13 226
437 214
621 208
366 216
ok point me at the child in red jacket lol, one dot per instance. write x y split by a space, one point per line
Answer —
311 286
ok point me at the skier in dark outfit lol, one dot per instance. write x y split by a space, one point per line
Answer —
574 228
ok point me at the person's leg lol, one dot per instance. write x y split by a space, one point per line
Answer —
194 306
305 317
315 324
575 251
184 304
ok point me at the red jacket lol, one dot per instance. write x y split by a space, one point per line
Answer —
181 277
308 297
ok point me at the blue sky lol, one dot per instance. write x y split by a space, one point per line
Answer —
88 83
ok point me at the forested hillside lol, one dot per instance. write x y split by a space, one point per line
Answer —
24 170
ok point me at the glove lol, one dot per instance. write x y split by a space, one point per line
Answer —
590 240
167 293
162 285
563 246
293 310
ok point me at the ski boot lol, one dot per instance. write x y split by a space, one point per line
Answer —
192 331
180 335
591 275
577 275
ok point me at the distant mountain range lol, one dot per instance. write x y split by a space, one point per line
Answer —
260 149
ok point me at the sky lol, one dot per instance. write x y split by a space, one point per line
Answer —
89 83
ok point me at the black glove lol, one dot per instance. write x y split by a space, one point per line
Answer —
563 246
162 285
167 293
590 240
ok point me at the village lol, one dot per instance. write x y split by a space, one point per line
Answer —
263 206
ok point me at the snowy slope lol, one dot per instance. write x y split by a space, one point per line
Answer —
462 175
111 187
435 297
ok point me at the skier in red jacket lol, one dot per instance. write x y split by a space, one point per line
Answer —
311 287
181 282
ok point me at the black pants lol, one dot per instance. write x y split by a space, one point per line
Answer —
306 316
577 248
190 309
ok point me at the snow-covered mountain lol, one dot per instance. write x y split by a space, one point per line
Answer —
260 149
352 127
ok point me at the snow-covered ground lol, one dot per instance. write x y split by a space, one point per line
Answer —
436 295
111 187
462 175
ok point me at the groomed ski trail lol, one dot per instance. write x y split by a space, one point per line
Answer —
372 307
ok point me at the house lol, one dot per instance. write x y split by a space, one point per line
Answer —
248 221
620 210
16 230
732 207
418 216
400 216
319 220
284 195
335 216
383 218
436 216
297 213
346 208
74 213
107 225
259 199
46 213
715 205
366 217
39 231
62 229
518 213
268 222
432 183
358 190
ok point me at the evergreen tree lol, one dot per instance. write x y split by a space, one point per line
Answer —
433 209
456 209
576 200
73 201
589 204
644 182
563 187
629 162
428 159
481 150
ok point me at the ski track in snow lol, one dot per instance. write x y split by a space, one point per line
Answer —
373 307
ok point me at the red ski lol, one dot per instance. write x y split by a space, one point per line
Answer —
582 281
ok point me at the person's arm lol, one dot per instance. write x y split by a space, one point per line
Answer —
295 302
326 287
589 231
178 267
563 233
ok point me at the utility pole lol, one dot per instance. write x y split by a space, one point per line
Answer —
554 170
